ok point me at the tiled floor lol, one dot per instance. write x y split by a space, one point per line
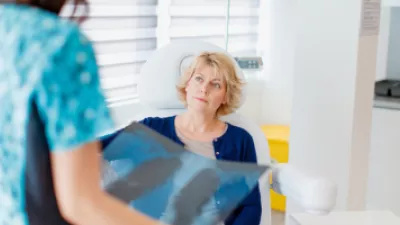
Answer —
278 218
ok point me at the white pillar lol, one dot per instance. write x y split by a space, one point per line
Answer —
334 74
277 37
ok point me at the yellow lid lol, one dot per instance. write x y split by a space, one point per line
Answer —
276 132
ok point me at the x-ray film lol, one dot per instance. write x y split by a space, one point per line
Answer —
161 179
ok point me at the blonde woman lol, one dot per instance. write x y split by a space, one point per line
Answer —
211 89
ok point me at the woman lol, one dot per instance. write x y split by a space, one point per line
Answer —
52 111
209 90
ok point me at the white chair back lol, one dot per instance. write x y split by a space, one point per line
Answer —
157 93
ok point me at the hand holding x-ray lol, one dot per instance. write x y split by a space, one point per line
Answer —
167 182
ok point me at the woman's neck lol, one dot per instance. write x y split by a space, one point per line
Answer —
198 122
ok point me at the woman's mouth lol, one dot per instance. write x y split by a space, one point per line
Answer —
201 99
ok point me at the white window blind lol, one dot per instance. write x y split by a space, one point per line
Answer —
206 20
126 32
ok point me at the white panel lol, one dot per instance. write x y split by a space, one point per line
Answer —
112 10
122 58
122 93
214 30
237 44
207 11
219 39
206 20
120 34
121 69
125 46
120 22
115 82
249 3
134 2
201 21
124 35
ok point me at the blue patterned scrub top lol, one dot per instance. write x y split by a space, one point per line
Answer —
50 100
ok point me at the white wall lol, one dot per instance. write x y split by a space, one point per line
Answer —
253 107
384 170
279 55
384 178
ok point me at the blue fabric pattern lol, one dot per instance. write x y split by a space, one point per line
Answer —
48 62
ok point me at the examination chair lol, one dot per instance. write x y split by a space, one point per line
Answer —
158 96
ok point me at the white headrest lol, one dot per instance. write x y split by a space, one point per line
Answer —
160 74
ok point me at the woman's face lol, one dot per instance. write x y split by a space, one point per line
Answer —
205 90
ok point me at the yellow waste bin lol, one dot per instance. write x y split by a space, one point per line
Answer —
278 141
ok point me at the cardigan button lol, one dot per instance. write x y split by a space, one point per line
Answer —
217 153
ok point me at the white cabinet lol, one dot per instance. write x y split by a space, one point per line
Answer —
347 218
384 166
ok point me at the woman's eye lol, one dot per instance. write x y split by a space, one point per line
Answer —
198 79
217 85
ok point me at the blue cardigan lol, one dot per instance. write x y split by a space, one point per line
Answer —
235 145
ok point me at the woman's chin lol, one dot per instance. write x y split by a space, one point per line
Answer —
199 108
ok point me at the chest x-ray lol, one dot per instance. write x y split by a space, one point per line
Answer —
167 182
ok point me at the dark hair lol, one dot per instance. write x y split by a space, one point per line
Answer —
55 6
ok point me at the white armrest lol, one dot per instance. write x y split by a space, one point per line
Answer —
315 195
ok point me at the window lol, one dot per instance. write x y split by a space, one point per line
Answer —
207 20
125 32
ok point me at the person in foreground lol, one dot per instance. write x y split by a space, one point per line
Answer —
210 89
52 112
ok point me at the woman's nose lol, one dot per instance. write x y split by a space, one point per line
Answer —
203 87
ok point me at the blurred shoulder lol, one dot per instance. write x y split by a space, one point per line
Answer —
157 121
30 24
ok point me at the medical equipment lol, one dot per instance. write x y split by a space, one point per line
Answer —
157 93
387 88
250 63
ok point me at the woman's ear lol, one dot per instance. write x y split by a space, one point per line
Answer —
187 84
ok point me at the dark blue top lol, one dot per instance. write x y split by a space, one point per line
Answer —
235 145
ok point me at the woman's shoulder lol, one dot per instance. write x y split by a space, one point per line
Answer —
158 121
47 38
35 23
242 142
162 125
238 133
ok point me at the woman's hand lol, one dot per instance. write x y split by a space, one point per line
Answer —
77 179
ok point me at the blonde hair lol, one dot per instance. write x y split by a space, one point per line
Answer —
224 67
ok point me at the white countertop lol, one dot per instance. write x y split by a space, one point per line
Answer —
347 218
